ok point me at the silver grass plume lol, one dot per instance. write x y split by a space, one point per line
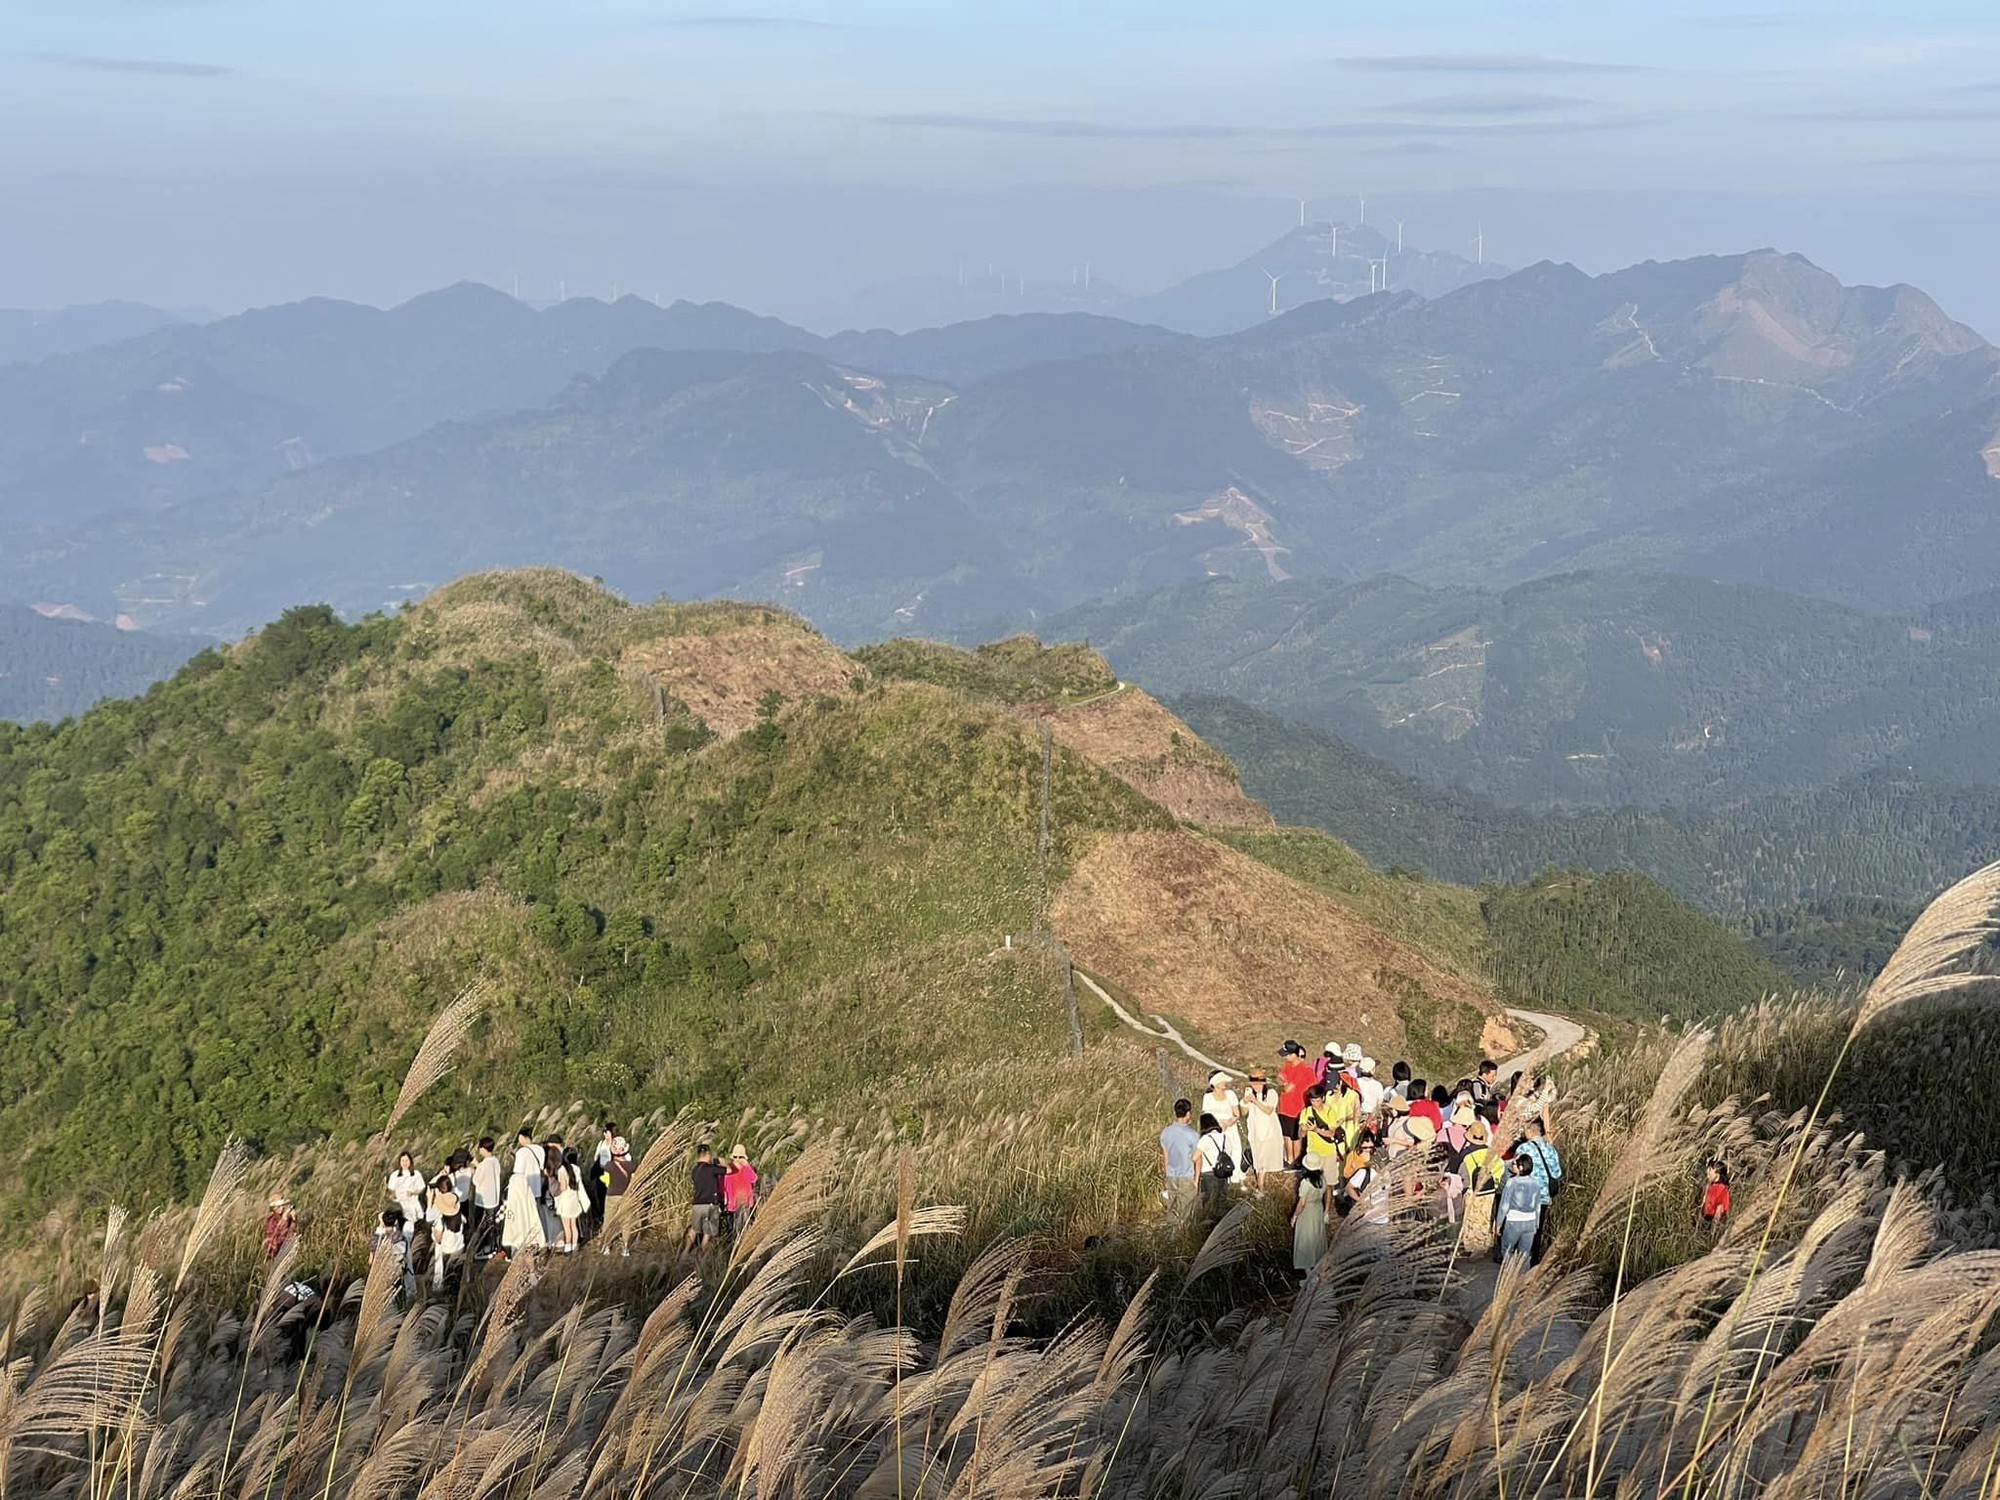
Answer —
1931 958
224 1182
439 1051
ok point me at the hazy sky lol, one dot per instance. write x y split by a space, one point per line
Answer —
222 153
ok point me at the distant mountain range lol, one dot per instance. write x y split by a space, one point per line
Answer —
51 668
27 334
1319 260
1585 690
1767 862
1744 417
1316 262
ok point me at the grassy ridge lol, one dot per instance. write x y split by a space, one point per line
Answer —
229 900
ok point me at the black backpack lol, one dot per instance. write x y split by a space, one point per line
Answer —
1225 1164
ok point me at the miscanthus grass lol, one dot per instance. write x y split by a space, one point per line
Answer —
985 1302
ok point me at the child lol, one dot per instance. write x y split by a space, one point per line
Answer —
1715 1197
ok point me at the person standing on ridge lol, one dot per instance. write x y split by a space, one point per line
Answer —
1214 1166
705 1223
406 1186
1521 1203
1715 1197
1177 1146
485 1198
1371 1091
281 1225
1221 1102
1266 1138
521 1222
739 1190
600 1167
1295 1074
571 1203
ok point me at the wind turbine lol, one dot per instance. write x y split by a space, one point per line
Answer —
1479 245
1399 236
1274 280
1364 210
1302 213
1381 265
1333 244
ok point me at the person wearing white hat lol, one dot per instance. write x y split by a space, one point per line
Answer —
1370 1088
1221 1102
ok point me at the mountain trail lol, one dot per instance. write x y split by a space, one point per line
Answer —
1560 1035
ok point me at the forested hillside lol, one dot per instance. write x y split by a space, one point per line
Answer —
1585 689
51 668
1885 836
228 904
694 853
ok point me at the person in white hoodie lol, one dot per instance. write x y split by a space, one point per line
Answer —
1371 1090
486 1196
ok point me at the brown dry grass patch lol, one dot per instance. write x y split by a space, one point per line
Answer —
723 675
1136 738
1246 956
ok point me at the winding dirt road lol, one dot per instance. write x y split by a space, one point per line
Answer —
1559 1035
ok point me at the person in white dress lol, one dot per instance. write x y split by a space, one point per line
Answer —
572 1203
1221 1102
1267 1136
521 1217
406 1186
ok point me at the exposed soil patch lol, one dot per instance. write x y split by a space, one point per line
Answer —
1130 734
723 676
1239 953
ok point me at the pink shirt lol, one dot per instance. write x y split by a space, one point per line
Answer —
739 1188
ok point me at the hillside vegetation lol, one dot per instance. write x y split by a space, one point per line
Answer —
228 901
694 854
52 668
1597 690
1879 837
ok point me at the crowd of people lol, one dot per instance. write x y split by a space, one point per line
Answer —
1346 1141
552 1198
1349 1141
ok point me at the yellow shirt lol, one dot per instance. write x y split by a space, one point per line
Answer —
1316 1125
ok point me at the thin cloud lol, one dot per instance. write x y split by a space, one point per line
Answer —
747 23
1750 20
1482 104
1896 114
1935 159
1482 62
1097 130
152 67
1410 148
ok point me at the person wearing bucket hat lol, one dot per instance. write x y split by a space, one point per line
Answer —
281 1225
739 1190
1221 1102
1350 1064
